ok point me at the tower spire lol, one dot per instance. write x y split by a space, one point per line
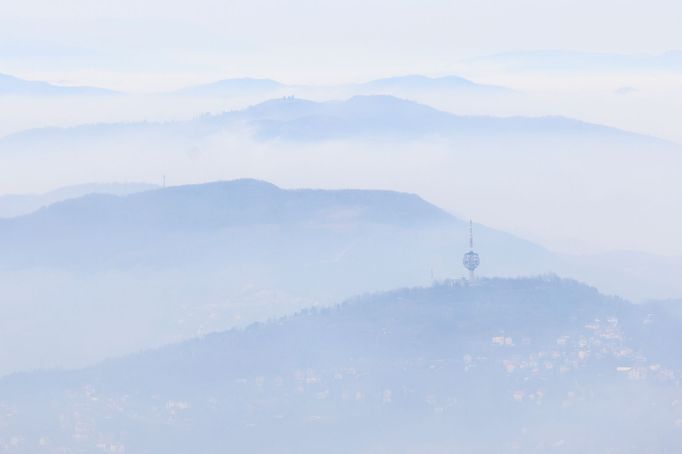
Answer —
471 235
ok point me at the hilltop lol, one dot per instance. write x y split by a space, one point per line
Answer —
451 366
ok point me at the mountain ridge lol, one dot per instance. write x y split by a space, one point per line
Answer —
362 116
11 85
247 192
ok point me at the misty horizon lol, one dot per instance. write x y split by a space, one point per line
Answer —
340 227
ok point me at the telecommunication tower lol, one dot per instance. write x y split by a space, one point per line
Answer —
471 259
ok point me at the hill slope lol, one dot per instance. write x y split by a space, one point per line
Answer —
505 366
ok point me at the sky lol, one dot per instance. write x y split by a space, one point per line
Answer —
127 44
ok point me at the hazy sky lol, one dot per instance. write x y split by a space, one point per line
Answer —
127 44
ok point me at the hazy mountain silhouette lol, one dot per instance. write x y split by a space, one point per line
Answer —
10 85
77 229
360 117
451 367
391 117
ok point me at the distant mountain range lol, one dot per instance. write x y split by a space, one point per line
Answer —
387 116
359 117
524 363
10 85
20 204
248 87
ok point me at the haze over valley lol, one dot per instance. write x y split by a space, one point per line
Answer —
372 227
